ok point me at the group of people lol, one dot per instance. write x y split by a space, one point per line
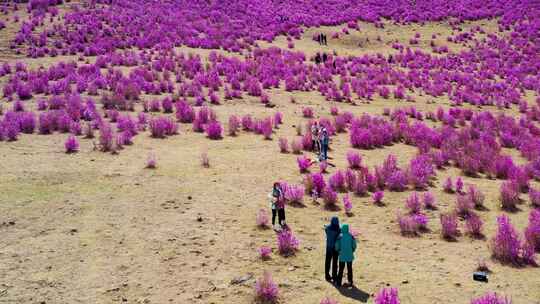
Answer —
340 243
320 58
320 140
321 39
340 248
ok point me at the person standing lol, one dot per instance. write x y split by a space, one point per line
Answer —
324 141
315 137
332 233
346 246
318 58
279 197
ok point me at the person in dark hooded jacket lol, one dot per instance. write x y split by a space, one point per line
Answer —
332 233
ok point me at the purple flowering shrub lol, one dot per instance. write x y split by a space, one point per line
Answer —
506 246
265 252
464 205
283 145
330 198
377 197
303 163
448 186
429 201
420 171
323 166
162 126
213 130
509 195
473 225
151 161
397 181
328 300
534 196
354 160
266 290
288 244
294 194
234 125
297 145
307 112
205 160
476 197
532 232
491 298
262 219
71 144
413 203
449 226
387 296
337 181
347 204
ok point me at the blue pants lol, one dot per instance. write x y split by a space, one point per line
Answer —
324 151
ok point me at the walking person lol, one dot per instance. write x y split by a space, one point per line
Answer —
323 142
332 234
315 137
345 245
273 201
318 58
278 205
279 196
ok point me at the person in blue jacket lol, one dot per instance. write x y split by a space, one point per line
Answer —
323 141
345 245
332 233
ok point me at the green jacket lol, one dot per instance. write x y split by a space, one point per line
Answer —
346 245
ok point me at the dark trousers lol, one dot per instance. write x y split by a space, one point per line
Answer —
331 258
349 272
324 151
281 216
274 212
315 145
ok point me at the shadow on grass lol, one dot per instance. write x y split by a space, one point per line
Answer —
354 293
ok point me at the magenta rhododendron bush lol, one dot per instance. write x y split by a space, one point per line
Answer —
417 118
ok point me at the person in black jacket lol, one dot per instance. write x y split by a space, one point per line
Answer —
332 233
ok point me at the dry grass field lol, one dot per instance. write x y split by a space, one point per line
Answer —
92 227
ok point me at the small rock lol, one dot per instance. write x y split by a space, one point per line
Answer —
199 219
457 284
189 197
242 279
405 282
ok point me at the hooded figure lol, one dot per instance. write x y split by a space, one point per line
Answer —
345 245
332 234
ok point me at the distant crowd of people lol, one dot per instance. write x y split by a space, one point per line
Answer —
321 39
321 58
